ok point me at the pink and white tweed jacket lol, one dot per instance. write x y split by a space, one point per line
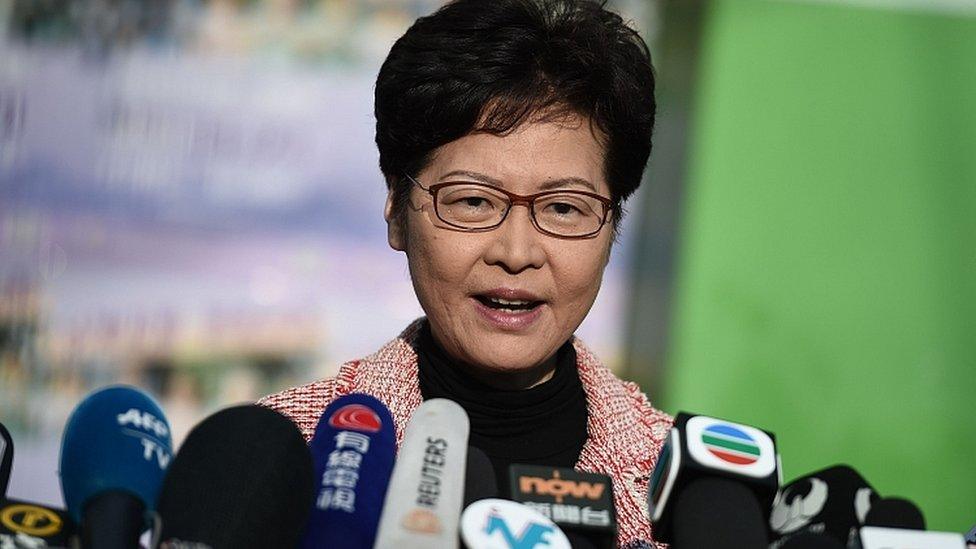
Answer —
625 433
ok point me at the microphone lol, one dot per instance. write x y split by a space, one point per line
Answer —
718 512
26 524
895 513
501 524
353 451
834 501
6 458
479 477
701 448
423 501
971 536
873 537
579 503
242 479
114 453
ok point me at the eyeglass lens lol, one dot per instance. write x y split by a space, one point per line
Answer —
478 207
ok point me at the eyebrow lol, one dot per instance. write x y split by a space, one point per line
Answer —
550 184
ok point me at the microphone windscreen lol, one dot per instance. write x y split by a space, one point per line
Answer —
116 441
834 501
353 452
242 479
423 501
718 512
810 540
6 459
895 513
479 477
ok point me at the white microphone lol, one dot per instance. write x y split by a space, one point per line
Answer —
423 500
502 524
874 537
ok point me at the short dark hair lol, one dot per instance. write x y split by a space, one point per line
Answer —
491 65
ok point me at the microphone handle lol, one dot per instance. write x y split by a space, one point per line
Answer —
112 520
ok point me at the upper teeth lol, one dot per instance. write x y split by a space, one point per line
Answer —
509 301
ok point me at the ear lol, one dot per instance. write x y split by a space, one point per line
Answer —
394 228
608 253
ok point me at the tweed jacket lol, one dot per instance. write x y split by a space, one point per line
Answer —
624 432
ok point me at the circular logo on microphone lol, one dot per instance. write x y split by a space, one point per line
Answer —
730 444
356 417
422 521
31 520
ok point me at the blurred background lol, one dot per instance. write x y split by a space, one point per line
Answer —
190 202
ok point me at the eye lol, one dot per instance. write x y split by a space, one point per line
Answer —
564 208
475 201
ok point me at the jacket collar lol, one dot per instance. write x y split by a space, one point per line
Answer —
620 435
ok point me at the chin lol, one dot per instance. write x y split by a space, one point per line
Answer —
508 363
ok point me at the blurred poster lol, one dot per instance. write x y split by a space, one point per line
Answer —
190 201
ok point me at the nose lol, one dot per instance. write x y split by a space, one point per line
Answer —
515 246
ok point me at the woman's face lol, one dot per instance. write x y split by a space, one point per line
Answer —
460 276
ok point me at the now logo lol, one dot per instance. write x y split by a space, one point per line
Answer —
558 488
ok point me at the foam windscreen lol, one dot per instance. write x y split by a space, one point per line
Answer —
242 479
895 513
479 477
116 440
717 512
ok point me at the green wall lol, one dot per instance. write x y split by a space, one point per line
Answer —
826 287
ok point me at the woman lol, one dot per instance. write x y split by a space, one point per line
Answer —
510 132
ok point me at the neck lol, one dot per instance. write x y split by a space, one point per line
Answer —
511 380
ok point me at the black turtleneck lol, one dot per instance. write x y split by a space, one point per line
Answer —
542 425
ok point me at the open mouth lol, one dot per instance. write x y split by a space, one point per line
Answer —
508 305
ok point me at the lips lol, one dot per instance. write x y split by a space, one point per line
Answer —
509 309
508 299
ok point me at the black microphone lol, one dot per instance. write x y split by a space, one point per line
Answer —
704 448
834 501
23 523
242 479
6 459
31 525
479 477
581 504
971 536
895 513
715 512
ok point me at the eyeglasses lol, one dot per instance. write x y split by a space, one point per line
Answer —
480 207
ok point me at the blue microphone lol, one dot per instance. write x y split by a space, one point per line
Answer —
114 453
353 451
